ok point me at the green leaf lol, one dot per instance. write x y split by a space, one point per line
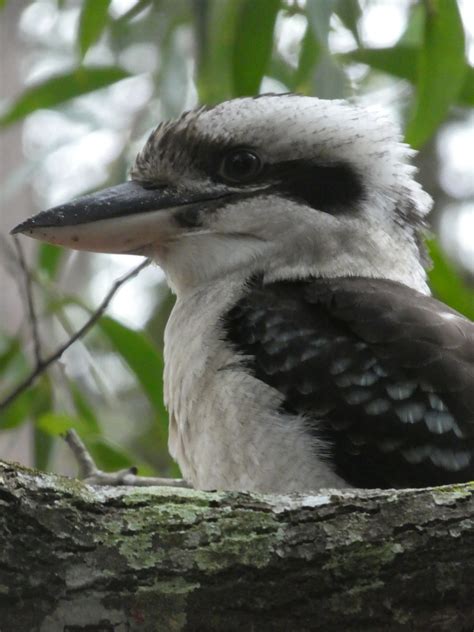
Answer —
447 284
215 38
17 412
142 358
49 259
309 55
109 457
3 4
466 96
93 20
441 70
42 448
401 61
84 410
283 72
9 352
41 403
349 13
413 34
57 424
252 44
61 88
13 368
106 455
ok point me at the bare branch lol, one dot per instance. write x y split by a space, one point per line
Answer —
29 301
43 365
91 474
85 462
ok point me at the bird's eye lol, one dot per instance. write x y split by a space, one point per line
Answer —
240 165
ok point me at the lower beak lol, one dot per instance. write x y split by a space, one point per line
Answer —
121 219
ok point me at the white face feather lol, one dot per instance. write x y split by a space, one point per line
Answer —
377 235
329 192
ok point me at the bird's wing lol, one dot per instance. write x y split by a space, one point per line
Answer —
382 373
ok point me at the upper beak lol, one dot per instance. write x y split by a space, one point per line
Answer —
120 219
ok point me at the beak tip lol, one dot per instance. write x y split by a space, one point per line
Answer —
28 226
25 227
20 228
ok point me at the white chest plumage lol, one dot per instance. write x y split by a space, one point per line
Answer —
226 431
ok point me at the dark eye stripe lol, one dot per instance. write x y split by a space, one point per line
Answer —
328 188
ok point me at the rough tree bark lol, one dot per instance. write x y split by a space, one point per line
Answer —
77 558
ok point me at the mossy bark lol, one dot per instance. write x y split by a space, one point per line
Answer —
77 558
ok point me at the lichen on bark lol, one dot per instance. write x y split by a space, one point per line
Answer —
77 558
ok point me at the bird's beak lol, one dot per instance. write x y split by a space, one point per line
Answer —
122 219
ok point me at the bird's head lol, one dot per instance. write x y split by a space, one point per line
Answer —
286 185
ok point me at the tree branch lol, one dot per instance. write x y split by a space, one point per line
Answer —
75 557
43 365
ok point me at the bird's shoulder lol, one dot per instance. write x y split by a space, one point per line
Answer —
382 372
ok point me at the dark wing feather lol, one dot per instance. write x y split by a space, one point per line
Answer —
384 374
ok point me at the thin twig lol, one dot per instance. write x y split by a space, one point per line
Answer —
30 302
90 473
85 462
46 363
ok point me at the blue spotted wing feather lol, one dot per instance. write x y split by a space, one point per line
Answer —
383 374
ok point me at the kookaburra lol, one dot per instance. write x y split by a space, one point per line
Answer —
304 350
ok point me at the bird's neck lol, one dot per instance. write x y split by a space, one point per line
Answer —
407 270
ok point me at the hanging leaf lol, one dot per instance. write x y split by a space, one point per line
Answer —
215 39
41 402
110 458
49 259
17 412
84 410
441 70
61 88
13 368
9 351
57 424
142 358
466 97
253 44
309 56
401 61
93 20
413 35
349 12
447 284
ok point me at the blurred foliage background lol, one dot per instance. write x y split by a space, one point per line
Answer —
83 84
